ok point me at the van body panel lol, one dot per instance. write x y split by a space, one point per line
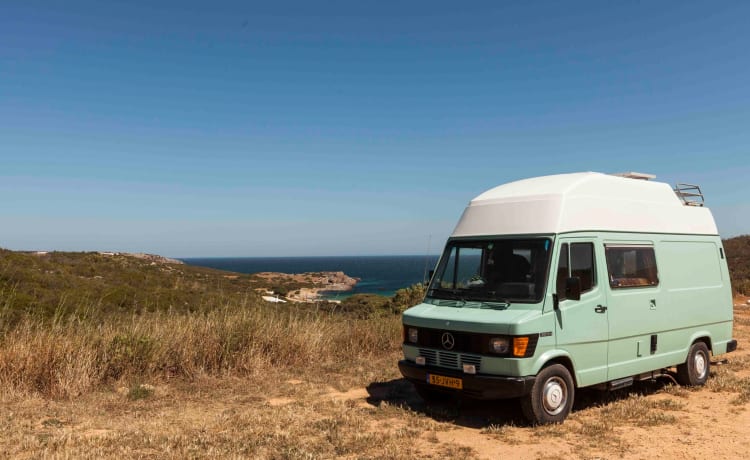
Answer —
469 319
550 355
582 201
692 300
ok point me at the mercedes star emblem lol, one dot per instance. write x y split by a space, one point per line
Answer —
448 341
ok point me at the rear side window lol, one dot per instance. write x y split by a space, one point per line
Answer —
631 266
576 259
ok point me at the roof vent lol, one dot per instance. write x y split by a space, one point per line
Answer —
635 175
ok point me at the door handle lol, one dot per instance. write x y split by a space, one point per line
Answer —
600 309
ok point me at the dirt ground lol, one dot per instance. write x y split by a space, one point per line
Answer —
287 417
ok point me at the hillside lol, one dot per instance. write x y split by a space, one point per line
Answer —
738 259
65 282
86 284
103 318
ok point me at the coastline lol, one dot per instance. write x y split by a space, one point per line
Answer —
316 282
314 294
380 275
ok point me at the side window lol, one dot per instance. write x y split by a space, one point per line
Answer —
578 261
631 266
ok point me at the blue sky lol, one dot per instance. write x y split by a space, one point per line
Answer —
345 128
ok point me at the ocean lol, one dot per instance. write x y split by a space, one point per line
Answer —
382 275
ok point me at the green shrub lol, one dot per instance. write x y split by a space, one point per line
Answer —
128 355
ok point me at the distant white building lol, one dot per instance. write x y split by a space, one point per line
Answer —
269 298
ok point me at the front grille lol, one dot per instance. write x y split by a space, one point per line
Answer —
430 356
448 359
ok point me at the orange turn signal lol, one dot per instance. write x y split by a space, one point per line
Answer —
519 346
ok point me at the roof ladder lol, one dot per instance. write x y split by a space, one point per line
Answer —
690 194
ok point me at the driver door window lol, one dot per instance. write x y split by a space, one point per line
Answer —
576 259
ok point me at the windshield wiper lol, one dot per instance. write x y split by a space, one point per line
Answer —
491 300
449 294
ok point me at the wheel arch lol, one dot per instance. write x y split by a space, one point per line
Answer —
559 357
700 336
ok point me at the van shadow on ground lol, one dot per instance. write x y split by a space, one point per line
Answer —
478 414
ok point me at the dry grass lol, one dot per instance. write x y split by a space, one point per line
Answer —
161 427
725 380
640 410
507 433
600 429
66 358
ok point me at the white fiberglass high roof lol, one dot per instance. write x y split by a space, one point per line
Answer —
582 202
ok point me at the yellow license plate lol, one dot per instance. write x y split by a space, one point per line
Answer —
443 381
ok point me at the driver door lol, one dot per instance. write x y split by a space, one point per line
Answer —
582 325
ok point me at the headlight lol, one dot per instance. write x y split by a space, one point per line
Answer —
413 335
499 345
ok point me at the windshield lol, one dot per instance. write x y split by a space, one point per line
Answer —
502 270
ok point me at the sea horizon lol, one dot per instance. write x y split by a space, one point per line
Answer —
379 274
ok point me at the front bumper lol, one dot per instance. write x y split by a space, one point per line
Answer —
477 386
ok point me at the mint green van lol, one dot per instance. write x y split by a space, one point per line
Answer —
576 280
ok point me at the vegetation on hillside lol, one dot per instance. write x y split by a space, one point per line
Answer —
738 259
62 283
72 322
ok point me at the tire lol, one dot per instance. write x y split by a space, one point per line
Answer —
431 395
551 397
695 370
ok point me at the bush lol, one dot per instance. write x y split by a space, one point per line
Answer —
738 258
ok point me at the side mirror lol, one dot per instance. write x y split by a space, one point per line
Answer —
573 288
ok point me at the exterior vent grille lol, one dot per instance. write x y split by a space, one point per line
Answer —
430 356
449 359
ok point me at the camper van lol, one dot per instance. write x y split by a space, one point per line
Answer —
561 282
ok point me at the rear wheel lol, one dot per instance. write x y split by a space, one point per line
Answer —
694 372
551 397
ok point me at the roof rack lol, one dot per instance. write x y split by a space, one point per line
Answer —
690 194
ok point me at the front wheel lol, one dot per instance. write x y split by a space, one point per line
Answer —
694 372
551 397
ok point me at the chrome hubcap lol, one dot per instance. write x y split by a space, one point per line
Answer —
555 395
700 365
